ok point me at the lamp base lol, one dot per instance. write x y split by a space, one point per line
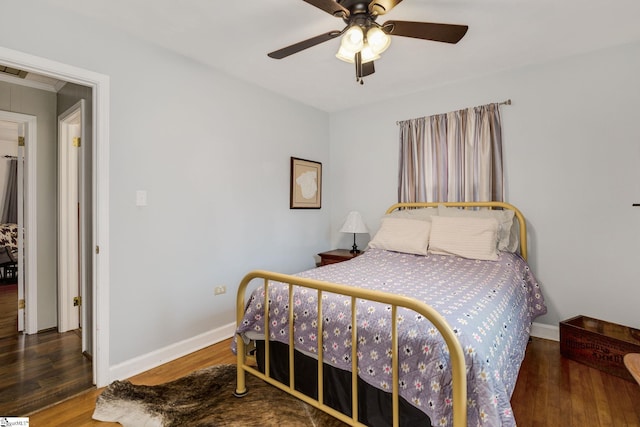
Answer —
354 249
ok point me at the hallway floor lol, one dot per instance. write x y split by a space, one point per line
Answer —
41 369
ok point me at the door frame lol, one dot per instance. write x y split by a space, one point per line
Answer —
27 241
99 83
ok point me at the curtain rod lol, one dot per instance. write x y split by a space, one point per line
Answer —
506 102
10 157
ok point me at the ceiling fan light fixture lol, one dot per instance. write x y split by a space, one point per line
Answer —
363 39
353 39
368 54
378 40
346 55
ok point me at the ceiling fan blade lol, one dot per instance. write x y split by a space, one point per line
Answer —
380 7
331 7
447 33
305 44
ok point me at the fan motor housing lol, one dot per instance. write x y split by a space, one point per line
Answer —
355 6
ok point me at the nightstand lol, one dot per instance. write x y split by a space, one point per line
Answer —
336 255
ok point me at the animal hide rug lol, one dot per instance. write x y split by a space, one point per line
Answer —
205 398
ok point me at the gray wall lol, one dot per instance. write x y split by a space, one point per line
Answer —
42 104
213 154
571 146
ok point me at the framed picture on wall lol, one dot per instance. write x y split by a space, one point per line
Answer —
306 184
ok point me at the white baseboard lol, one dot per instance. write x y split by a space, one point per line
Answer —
174 351
548 332
156 358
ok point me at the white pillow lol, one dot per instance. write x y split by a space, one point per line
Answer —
507 241
424 214
474 238
402 235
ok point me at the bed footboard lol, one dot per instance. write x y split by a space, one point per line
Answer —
395 301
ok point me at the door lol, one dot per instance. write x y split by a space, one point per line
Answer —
72 281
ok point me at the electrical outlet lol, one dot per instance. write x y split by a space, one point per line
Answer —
219 290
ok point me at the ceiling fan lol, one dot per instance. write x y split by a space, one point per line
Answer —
363 38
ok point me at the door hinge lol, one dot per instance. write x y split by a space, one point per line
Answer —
97 250
21 304
21 141
77 301
77 142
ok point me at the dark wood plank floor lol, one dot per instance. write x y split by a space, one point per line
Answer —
8 310
555 391
41 369
76 412
551 391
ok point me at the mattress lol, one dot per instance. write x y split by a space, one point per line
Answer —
490 305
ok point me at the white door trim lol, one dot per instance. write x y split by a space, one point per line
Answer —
100 87
28 250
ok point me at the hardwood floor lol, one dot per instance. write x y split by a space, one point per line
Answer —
8 310
554 391
551 391
78 410
41 369
37 370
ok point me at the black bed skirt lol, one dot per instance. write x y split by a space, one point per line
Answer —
374 405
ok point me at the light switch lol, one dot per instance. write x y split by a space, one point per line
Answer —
141 198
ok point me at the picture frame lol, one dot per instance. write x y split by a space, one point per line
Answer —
306 184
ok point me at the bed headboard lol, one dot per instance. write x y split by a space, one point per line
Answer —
492 205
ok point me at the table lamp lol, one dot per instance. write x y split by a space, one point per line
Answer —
354 224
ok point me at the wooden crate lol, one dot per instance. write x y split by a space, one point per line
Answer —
599 344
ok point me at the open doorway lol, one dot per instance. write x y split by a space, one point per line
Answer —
30 344
9 289
41 347
97 277
18 213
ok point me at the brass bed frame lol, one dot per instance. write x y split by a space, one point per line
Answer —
395 301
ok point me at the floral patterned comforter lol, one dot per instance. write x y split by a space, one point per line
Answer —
9 235
490 305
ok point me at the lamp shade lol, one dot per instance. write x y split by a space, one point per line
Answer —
353 39
354 224
346 55
378 40
352 42
368 54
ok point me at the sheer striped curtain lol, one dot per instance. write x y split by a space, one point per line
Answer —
454 157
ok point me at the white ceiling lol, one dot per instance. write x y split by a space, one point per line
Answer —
234 36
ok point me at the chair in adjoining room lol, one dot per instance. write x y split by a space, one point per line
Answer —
9 226
8 253
8 265
632 362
